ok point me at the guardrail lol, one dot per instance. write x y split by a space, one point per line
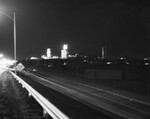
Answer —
52 110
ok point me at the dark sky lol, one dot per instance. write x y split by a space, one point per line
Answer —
121 26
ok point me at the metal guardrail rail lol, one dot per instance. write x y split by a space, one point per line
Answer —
52 110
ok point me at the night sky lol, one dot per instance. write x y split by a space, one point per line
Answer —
121 26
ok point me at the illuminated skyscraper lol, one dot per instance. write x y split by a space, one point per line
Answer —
49 53
64 52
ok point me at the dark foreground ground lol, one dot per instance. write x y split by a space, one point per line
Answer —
15 102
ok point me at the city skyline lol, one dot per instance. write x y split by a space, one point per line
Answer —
122 27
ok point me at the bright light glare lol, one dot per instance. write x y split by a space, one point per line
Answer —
1 55
65 46
5 63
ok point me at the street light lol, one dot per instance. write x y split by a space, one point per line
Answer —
14 20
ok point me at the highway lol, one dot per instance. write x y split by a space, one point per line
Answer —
99 100
72 108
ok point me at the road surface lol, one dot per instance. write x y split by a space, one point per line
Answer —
108 103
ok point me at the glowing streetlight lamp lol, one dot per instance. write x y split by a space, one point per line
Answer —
14 20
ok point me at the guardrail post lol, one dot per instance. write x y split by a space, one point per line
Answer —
29 94
23 86
45 114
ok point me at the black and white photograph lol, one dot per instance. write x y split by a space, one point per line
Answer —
74 59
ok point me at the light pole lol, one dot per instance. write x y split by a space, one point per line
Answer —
14 20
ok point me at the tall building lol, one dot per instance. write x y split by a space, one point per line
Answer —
103 52
64 52
49 53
